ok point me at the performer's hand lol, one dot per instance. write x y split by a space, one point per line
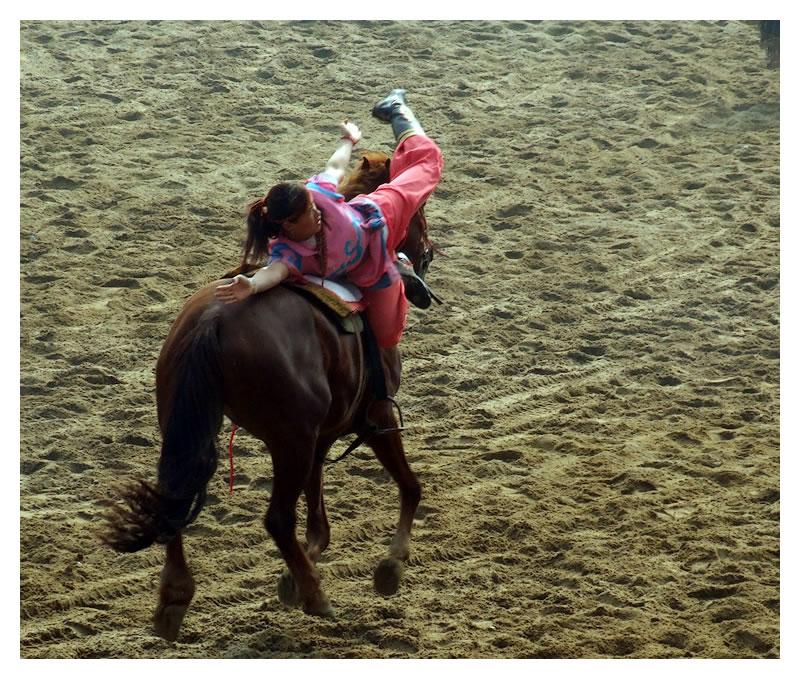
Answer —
240 288
350 131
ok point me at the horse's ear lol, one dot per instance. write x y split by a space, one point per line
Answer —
364 164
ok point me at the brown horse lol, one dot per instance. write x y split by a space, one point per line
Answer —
278 366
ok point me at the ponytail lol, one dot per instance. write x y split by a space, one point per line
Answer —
264 217
260 228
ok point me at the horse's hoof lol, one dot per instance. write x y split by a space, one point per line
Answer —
387 576
167 620
323 609
287 590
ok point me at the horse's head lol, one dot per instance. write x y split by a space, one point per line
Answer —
417 246
372 171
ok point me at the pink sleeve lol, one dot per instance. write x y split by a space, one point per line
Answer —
325 180
281 251
325 189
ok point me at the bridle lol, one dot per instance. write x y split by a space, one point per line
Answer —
428 245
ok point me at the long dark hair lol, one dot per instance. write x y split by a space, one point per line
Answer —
287 200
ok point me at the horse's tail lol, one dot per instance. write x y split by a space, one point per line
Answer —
188 452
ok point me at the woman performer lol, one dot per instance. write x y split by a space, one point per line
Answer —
310 229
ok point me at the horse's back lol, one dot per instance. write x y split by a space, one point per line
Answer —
272 335
282 358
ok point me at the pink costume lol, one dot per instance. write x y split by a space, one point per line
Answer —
363 234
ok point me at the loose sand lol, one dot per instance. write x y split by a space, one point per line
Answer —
593 414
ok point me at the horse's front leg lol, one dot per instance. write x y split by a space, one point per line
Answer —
175 591
389 450
301 585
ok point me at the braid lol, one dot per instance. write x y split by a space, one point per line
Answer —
322 252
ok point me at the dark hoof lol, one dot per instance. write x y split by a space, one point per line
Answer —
167 620
387 576
323 609
287 590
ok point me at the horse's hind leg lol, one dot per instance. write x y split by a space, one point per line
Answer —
301 585
318 530
389 450
175 591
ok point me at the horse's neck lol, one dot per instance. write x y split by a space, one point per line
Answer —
351 190
355 186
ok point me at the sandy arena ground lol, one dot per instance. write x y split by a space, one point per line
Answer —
593 414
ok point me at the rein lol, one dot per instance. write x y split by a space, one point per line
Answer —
429 245
428 242
374 431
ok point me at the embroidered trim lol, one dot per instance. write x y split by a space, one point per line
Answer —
313 186
370 210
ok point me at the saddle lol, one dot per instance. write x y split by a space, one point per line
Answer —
341 301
